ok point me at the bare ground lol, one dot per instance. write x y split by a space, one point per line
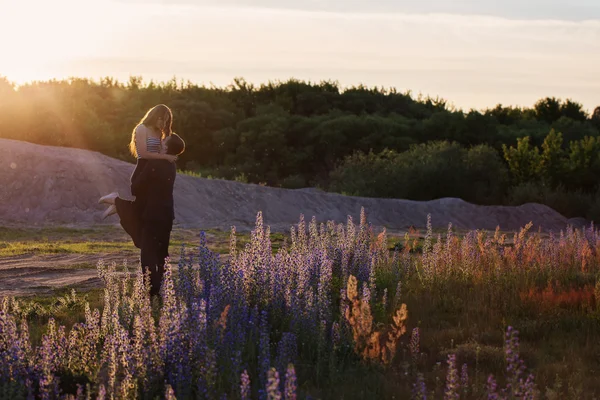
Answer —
38 274
35 274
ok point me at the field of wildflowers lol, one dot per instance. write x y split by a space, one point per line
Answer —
335 312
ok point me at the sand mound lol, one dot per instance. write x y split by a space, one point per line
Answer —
43 185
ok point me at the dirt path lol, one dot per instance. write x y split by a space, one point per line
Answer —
38 274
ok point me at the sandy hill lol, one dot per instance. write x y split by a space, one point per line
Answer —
44 185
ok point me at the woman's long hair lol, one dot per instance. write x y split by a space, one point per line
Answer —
150 120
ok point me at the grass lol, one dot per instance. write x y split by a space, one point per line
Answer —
100 240
8 249
61 305
16 242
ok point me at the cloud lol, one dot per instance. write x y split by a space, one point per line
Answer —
514 9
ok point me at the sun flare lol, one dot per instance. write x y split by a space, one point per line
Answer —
39 38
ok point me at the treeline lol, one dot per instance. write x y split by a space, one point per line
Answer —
565 179
367 141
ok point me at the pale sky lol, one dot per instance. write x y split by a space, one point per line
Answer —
475 54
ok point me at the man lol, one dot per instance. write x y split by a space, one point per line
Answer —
149 219
153 187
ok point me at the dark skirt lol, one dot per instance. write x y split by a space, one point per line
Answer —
130 215
130 212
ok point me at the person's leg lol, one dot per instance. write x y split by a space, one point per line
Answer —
163 235
130 218
109 198
149 256
165 238
109 211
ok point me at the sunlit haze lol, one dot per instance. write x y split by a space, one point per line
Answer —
473 53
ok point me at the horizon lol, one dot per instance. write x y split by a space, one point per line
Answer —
419 97
474 55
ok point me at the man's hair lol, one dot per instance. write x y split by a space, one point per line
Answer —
175 145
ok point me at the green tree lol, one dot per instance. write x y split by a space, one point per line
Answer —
583 164
486 174
523 161
551 160
573 110
548 109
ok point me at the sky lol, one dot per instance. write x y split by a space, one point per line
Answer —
475 54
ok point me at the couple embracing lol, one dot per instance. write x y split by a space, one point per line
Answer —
149 218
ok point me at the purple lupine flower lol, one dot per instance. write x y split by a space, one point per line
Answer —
324 290
169 321
372 272
335 335
464 378
344 264
311 322
101 392
343 304
528 388
436 254
30 389
398 295
106 312
406 262
110 346
452 382
169 393
287 351
264 345
184 284
272 389
290 383
127 363
48 382
138 348
428 237
366 294
80 394
384 299
8 345
415 343
419 389
448 255
492 391
515 366
208 378
245 391
91 338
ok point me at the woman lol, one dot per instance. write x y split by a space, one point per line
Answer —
148 134
145 145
